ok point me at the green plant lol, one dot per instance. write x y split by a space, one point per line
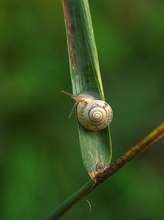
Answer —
85 75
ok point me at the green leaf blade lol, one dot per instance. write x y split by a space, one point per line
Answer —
96 146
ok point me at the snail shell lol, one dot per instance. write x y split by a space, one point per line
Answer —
92 114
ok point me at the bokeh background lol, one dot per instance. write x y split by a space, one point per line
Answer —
40 156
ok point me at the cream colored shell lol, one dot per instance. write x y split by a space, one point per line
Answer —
93 114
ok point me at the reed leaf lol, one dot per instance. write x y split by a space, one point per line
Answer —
85 75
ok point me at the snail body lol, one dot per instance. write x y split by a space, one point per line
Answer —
92 114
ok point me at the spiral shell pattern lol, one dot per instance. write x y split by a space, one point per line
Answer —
95 114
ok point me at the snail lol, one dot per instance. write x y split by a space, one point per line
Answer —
92 114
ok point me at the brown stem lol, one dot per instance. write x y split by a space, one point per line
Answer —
88 187
134 151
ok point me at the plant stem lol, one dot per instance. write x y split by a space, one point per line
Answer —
73 199
154 136
80 194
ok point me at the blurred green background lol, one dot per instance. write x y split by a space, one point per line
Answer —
39 148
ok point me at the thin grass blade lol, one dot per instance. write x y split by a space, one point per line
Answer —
85 74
